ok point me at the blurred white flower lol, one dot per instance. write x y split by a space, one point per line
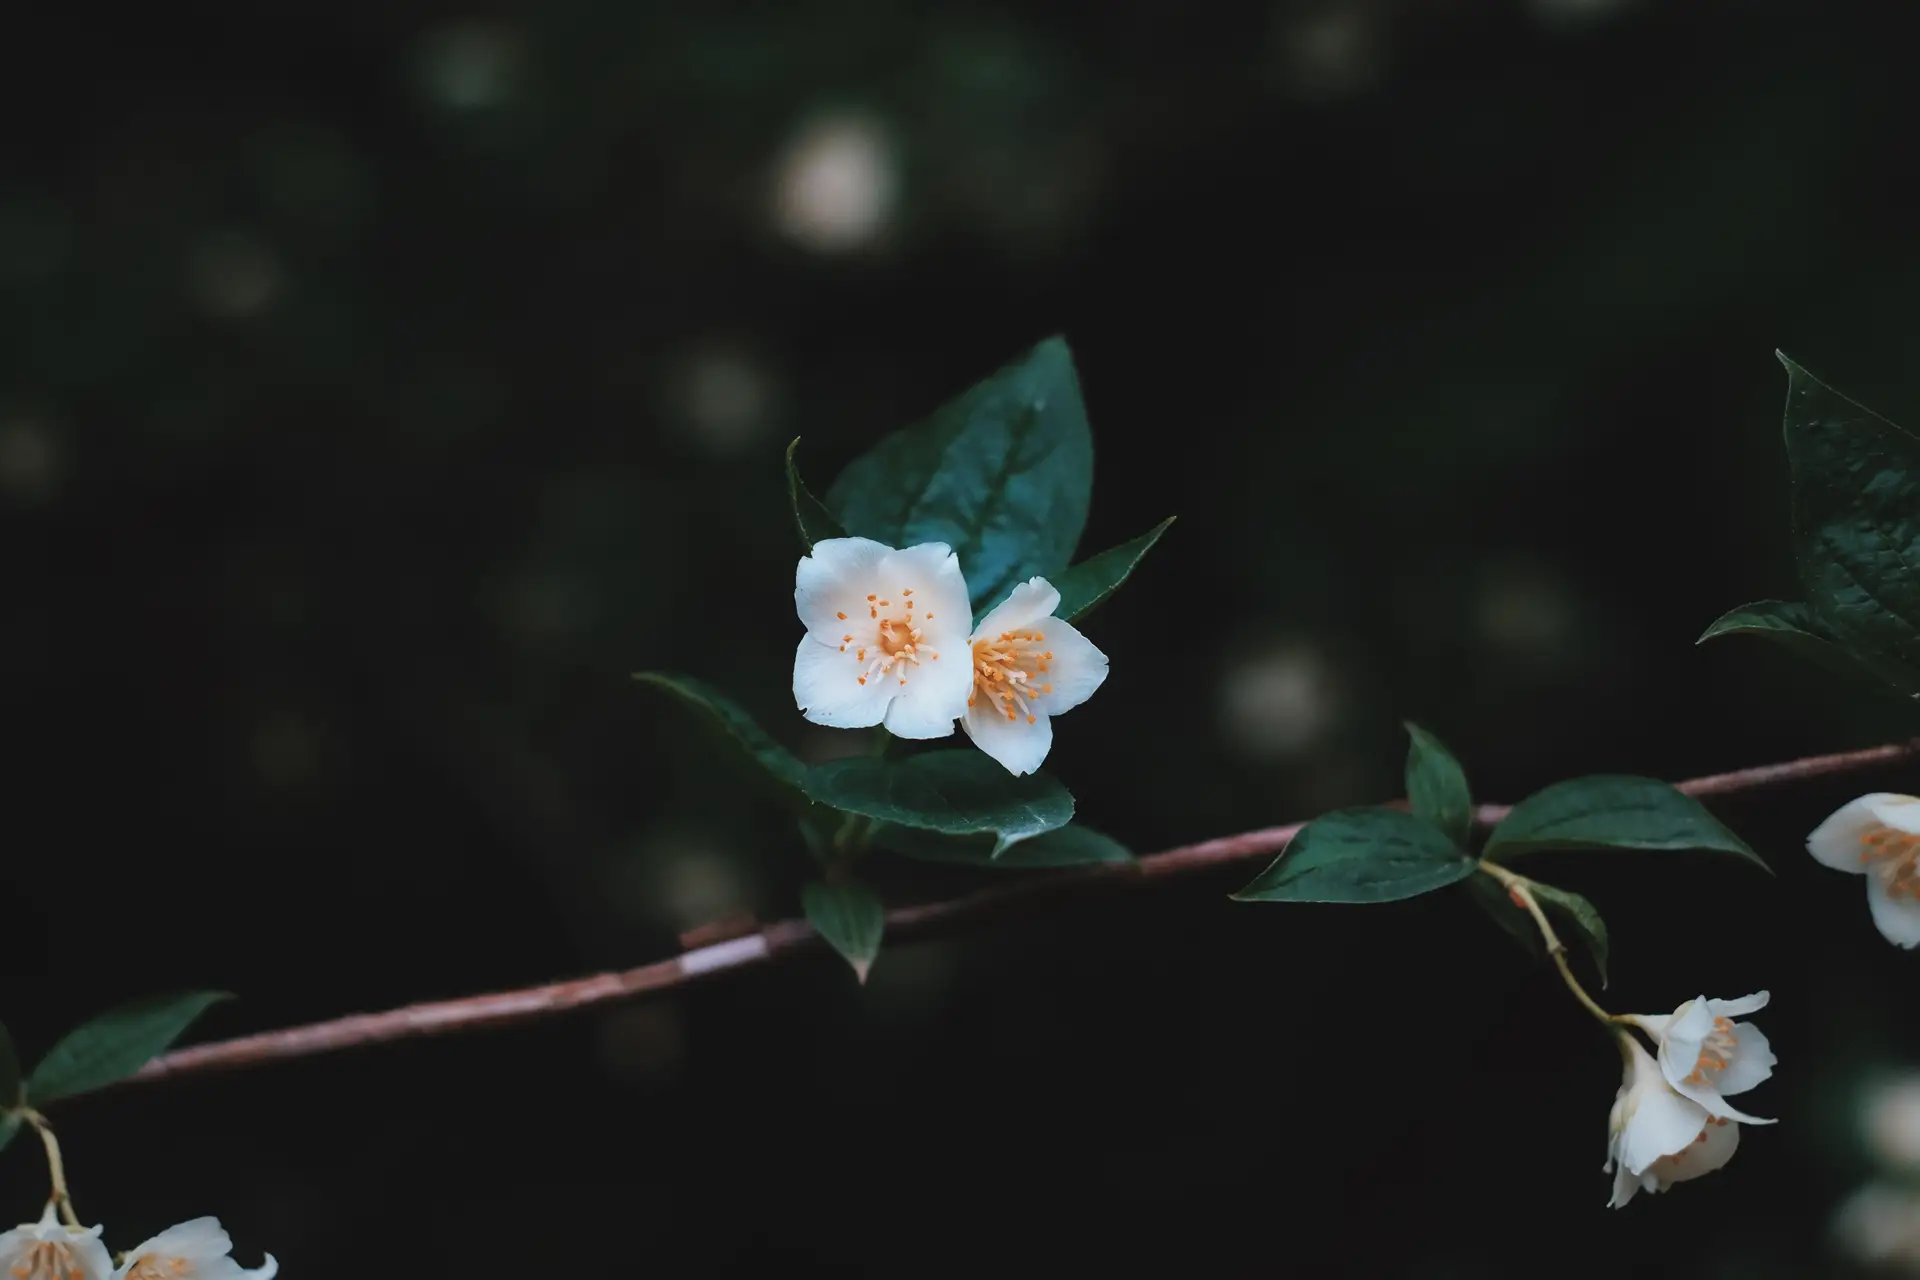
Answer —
1279 702
837 183
1028 666
1878 836
234 275
1890 1122
1880 1225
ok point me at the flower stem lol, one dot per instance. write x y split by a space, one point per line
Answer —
1520 890
56 1167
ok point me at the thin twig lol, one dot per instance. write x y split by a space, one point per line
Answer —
787 937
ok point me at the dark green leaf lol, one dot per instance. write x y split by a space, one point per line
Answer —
1612 812
1856 524
1437 785
810 515
1572 909
1491 897
1069 846
1794 626
959 793
1003 474
9 1126
1094 579
9 1070
116 1044
1361 855
850 916
755 744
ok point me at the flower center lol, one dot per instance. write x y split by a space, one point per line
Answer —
1716 1051
1008 672
895 645
48 1260
153 1267
1667 1165
1894 856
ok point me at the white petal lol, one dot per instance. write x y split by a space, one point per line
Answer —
836 579
826 686
1902 813
933 697
1752 1062
1836 841
1699 1158
1076 668
1740 1008
1028 603
940 604
1018 746
1898 918
266 1270
197 1238
1686 1031
1662 1123
1624 1187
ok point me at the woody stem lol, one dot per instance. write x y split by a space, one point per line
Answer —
1520 891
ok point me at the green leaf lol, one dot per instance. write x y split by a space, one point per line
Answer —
959 793
116 1044
1575 910
745 733
9 1126
1794 626
1091 581
1003 474
1612 812
1491 897
1073 845
850 916
1437 785
1361 855
810 515
1856 524
9 1070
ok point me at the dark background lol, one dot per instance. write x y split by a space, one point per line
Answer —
380 385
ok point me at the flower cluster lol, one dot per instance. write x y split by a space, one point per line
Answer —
53 1250
891 641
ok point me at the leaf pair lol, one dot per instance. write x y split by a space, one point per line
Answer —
1387 855
98 1053
1856 538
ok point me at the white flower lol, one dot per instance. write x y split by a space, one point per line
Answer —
195 1250
1890 1122
877 623
51 1250
1706 1056
1028 666
1878 835
1656 1137
1880 1225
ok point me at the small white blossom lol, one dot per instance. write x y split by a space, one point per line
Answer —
195 1250
1878 835
1706 1056
878 621
1655 1136
1880 1225
51 1250
1028 666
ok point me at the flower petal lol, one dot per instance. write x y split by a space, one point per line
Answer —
1902 813
1662 1123
1752 1062
933 697
1837 841
1898 918
1030 602
1696 1159
1076 668
836 579
827 687
1739 1008
939 600
1624 1187
1018 746
1686 1032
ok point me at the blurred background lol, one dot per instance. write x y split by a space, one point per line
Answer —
380 385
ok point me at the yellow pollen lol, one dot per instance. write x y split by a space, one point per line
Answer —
1004 670
1894 856
1716 1051
150 1267
48 1260
907 592
897 640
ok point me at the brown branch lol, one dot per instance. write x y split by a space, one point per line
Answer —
787 937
